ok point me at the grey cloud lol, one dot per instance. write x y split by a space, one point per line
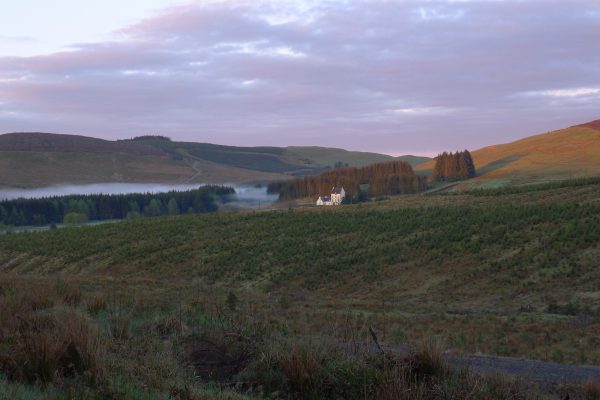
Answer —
380 75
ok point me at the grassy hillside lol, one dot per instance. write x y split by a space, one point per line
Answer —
43 168
476 255
40 159
414 160
568 153
330 156
262 299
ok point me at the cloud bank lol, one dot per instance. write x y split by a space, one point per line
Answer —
389 76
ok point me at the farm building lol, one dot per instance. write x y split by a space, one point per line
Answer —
337 196
324 201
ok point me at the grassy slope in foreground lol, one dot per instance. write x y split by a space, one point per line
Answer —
568 153
487 258
543 234
281 302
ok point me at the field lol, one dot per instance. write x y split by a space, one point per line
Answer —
503 272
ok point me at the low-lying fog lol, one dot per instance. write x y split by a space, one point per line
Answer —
246 195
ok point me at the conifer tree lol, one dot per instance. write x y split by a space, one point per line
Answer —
453 166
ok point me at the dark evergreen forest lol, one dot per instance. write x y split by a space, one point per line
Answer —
99 207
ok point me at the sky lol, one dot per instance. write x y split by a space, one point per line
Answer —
396 77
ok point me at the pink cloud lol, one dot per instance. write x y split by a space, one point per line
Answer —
328 75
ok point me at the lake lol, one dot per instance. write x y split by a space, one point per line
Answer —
246 195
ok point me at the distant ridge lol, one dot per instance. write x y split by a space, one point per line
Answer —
38 141
34 159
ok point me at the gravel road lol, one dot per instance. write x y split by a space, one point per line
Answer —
538 371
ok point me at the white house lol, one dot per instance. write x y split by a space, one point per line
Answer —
324 201
337 195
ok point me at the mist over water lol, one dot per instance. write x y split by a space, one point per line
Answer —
253 196
246 195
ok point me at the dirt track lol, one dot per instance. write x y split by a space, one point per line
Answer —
548 374
538 371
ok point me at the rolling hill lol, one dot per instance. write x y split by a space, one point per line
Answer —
567 153
43 159
33 159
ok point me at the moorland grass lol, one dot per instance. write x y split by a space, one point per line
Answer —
187 343
281 302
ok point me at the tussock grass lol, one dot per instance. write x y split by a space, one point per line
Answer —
44 340
187 343
591 390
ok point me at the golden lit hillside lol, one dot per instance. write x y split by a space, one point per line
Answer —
566 153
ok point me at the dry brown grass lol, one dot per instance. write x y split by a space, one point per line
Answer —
591 390
173 339
302 366
568 153
43 338
427 359
95 304
48 346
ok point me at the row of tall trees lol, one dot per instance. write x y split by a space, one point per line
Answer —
453 166
100 207
387 178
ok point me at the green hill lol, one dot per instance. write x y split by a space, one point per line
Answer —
42 159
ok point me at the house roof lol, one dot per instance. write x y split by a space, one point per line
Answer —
337 190
325 198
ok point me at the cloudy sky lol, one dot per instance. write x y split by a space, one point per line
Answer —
388 76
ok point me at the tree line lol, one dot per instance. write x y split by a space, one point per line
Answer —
453 166
99 207
386 178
